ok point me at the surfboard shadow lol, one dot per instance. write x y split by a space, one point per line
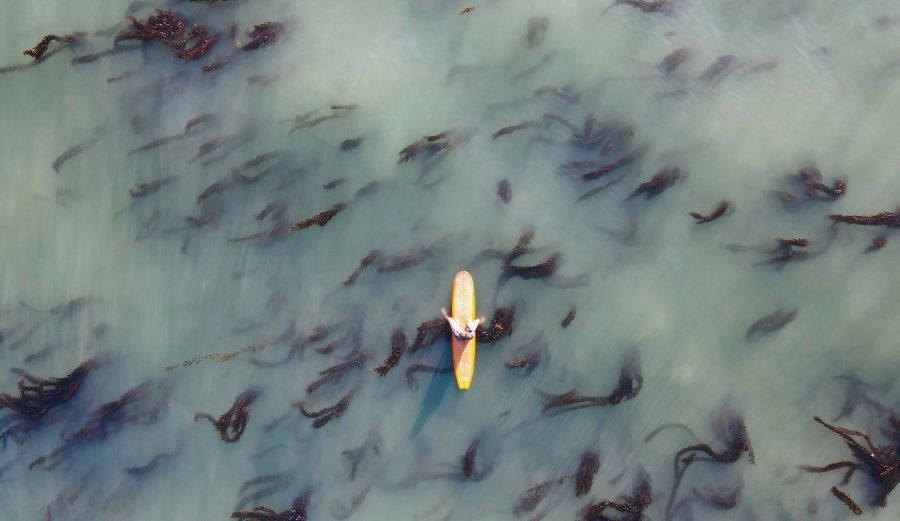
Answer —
436 392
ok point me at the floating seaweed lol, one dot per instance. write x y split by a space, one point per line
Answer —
356 455
466 10
665 426
468 461
367 189
406 260
568 318
536 26
786 251
422 368
211 146
434 144
168 28
877 244
39 395
298 343
810 178
232 423
335 183
584 477
716 72
90 58
297 512
838 493
521 248
221 357
663 179
120 77
325 415
363 264
135 404
338 371
352 335
262 79
502 325
145 189
723 499
303 121
596 190
261 35
273 483
237 177
632 507
718 212
630 383
880 462
731 431
275 209
74 151
428 333
342 511
609 168
528 356
512 128
38 51
529 500
770 323
544 269
398 346
350 144
156 143
886 219
646 6
672 61
856 395
320 219
151 466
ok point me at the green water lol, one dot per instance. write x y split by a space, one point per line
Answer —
814 82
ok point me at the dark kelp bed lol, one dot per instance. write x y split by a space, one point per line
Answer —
247 215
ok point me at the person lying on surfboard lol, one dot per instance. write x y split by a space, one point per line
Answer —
459 331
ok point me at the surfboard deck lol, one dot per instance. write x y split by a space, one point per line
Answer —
462 308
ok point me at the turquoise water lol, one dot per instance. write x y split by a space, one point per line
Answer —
810 82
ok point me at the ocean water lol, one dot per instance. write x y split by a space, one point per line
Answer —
90 272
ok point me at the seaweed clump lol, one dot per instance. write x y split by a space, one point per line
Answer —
502 325
630 383
880 462
261 35
326 414
39 395
320 219
38 51
135 404
885 219
631 507
232 423
398 346
584 478
731 432
297 512
169 29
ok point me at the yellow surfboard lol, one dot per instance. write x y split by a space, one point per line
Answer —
463 310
